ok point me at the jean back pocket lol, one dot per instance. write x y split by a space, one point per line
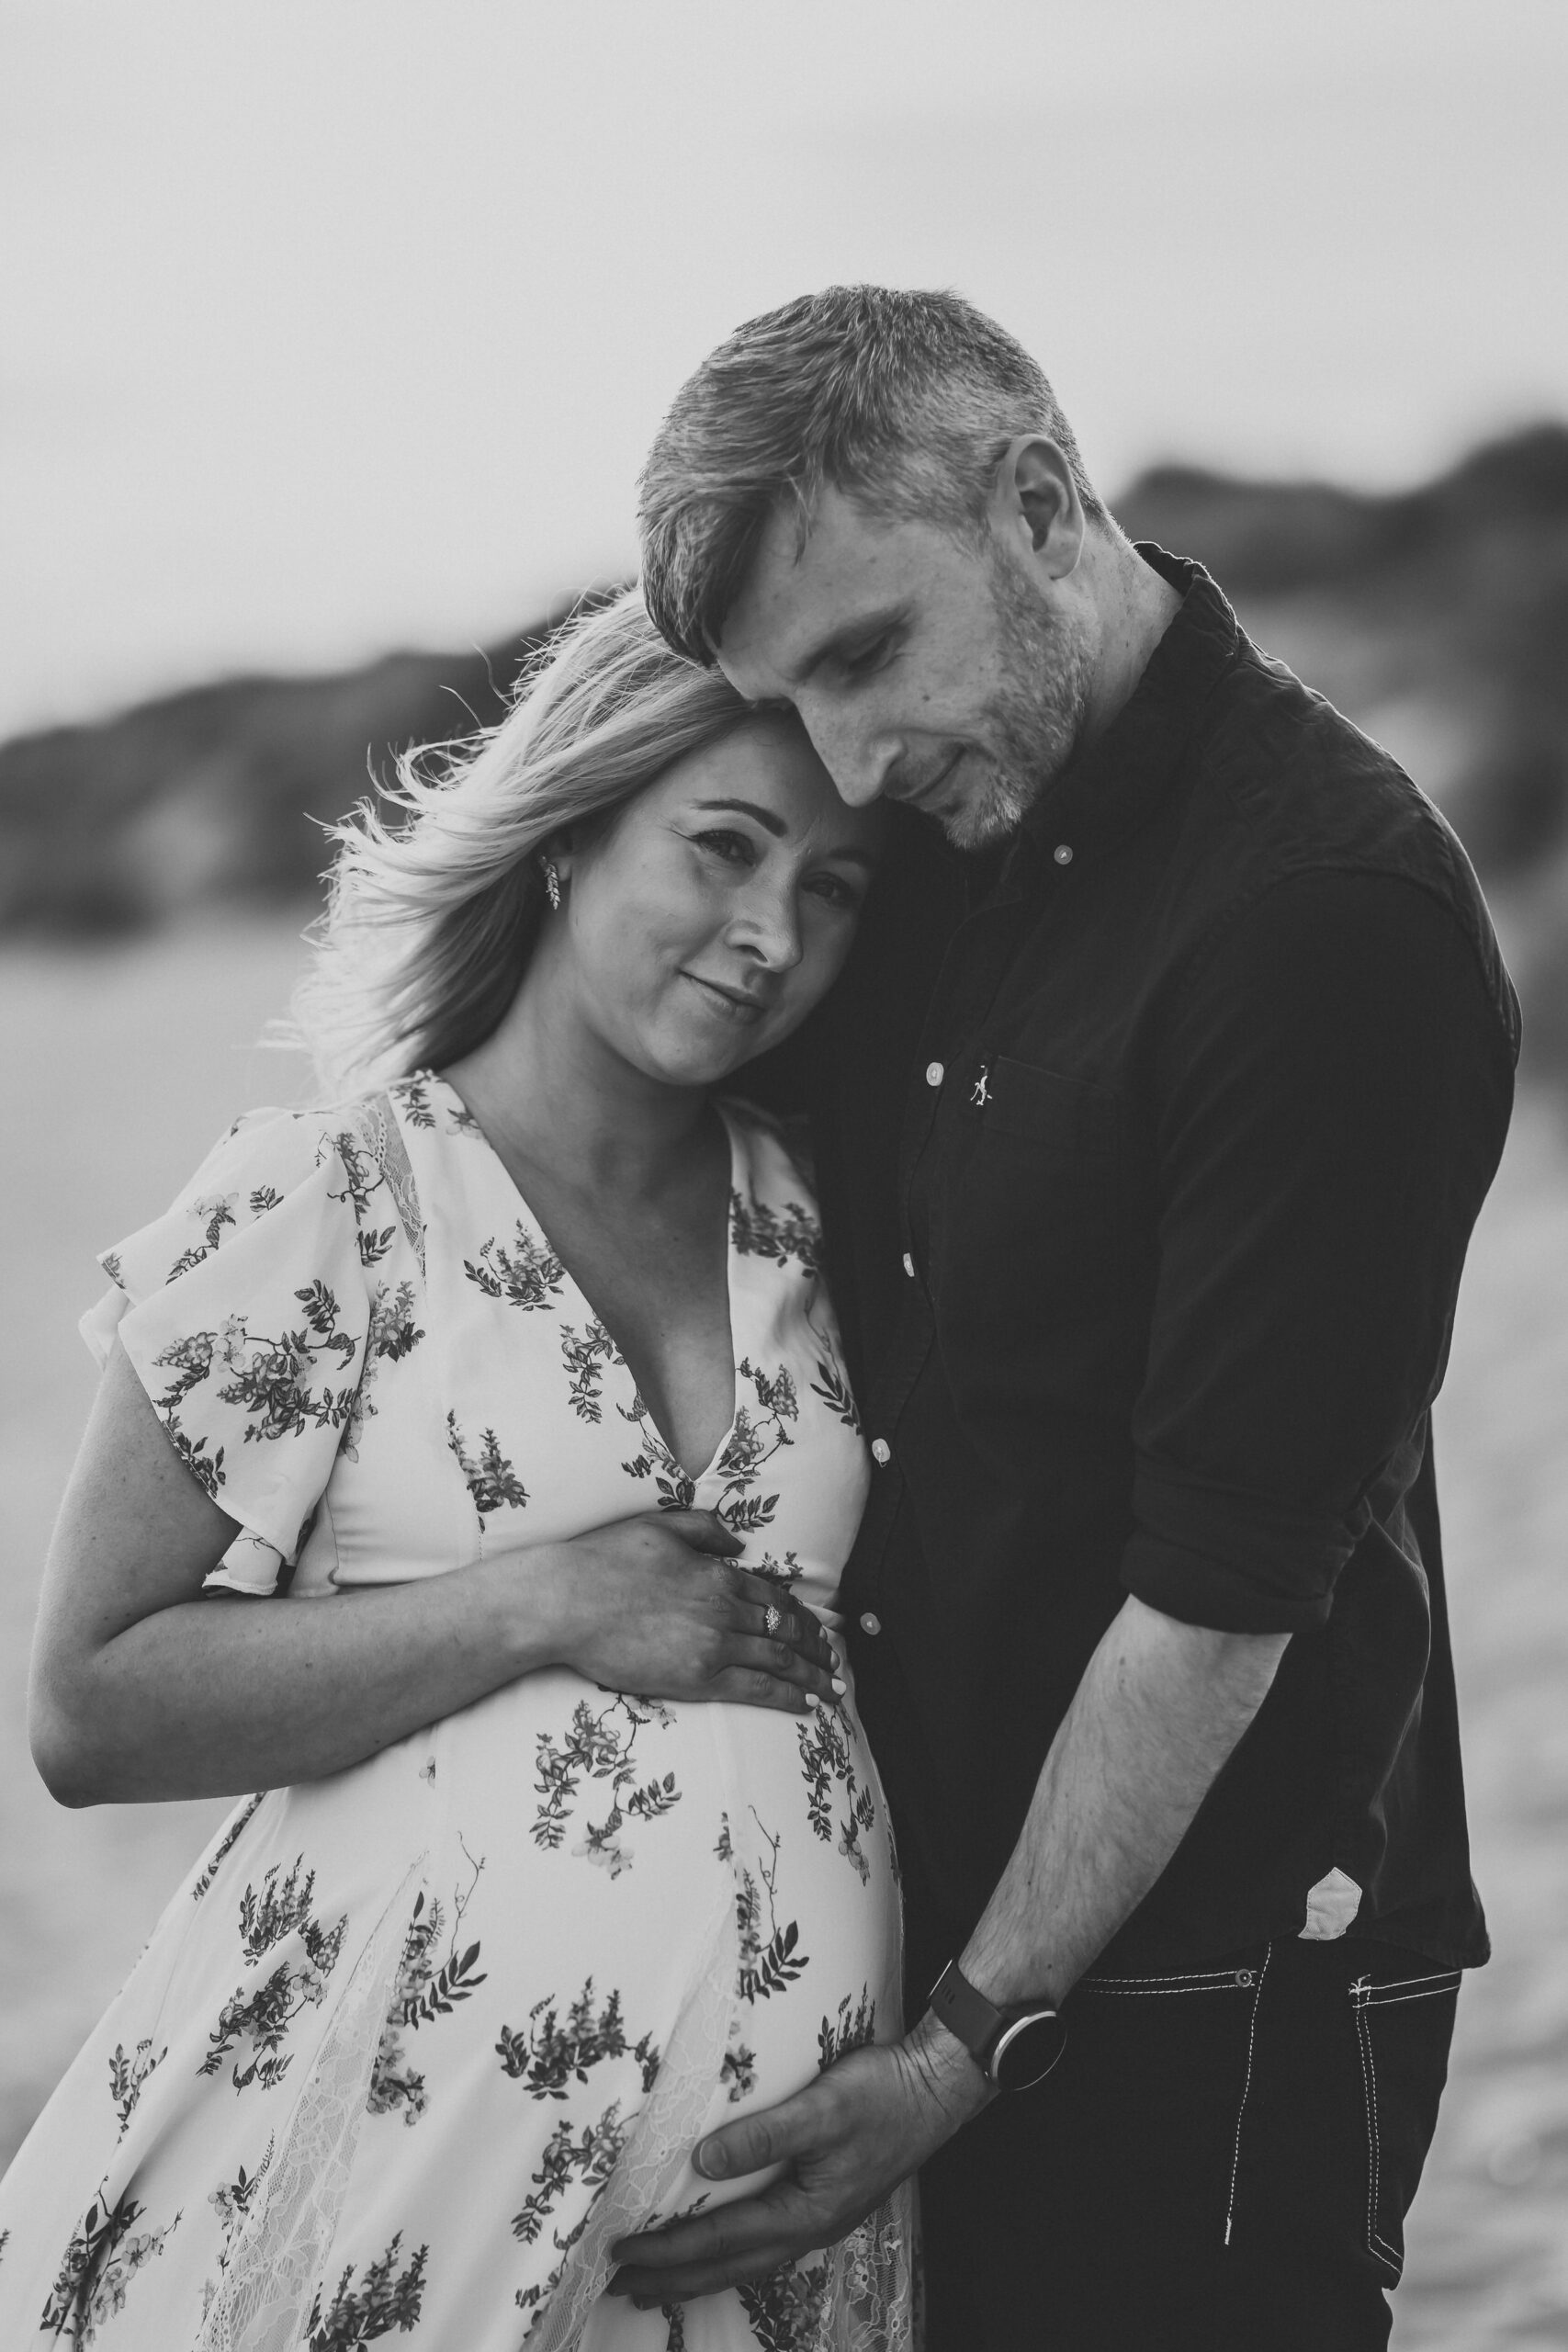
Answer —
1397 2020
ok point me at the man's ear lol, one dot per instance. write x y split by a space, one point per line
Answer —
1036 506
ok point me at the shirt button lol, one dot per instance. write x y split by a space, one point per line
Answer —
909 1265
881 1452
1063 854
871 1622
934 1073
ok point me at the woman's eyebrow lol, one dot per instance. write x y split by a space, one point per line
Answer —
770 821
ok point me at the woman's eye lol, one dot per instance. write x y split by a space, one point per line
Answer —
734 849
837 891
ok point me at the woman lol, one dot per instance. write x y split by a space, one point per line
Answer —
577 1851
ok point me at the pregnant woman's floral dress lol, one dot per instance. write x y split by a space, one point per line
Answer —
412 2045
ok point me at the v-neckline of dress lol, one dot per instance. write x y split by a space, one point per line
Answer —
471 1127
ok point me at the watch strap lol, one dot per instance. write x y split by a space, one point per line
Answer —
1014 2047
967 2013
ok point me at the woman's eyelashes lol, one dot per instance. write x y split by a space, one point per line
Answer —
737 849
730 847
838 890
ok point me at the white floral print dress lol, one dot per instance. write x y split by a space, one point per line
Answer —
412 2045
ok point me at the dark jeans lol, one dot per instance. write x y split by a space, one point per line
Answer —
1222 2160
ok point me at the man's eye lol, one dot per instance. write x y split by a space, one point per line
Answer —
733 848
867 658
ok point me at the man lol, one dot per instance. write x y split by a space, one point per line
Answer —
1153 1114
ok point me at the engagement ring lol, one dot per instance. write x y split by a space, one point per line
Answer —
772 1620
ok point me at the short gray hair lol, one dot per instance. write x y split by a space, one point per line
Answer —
904 400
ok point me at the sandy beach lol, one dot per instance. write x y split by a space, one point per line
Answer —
120 1064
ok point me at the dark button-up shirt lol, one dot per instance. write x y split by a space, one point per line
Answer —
1149 1153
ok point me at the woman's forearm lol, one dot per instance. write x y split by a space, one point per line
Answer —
218 1696
141 1689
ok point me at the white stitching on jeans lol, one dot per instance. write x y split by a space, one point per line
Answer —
1433 1976
1221 1980
1388 2000
1376 2242
1161 1991
1378 1996
1245 2087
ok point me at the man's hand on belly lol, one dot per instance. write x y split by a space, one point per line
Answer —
849 2138
1160 1707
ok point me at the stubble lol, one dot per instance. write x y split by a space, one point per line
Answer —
1036 716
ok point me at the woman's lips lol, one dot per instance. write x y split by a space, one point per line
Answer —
736 1004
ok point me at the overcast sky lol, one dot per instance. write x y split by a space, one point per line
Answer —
332 324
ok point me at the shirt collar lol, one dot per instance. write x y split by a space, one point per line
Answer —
1109 790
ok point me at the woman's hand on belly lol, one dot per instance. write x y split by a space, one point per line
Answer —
656 1605
144 1689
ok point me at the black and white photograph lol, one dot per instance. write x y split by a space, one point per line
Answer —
783 1196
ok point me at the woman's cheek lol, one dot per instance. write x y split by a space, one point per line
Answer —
826 950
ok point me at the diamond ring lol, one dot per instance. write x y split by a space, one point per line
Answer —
772 1619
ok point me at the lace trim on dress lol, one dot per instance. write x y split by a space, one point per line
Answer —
376 1123
872 2295
660 2139
274 2268
858 2296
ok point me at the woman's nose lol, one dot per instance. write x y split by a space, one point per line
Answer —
768 927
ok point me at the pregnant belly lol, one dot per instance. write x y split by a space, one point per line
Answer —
587 1853
523 1961
603 1777
631 1842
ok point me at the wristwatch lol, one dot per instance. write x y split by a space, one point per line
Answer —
1014 2047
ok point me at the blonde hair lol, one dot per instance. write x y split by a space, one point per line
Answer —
430 920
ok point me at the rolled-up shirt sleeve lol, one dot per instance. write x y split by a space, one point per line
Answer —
1335 1087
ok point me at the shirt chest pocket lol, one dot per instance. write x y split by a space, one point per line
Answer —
1069 1117
1030 1245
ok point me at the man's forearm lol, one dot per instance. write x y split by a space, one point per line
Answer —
1160 1708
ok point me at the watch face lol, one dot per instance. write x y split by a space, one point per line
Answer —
1026 2052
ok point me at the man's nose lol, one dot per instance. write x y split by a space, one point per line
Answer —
859 758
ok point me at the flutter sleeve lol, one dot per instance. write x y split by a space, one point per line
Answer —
245 1311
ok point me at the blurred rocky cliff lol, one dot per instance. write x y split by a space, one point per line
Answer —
214 794
1437 617
1437 620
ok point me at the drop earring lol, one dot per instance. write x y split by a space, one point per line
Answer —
552 885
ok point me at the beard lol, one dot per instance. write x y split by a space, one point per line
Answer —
1036 718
